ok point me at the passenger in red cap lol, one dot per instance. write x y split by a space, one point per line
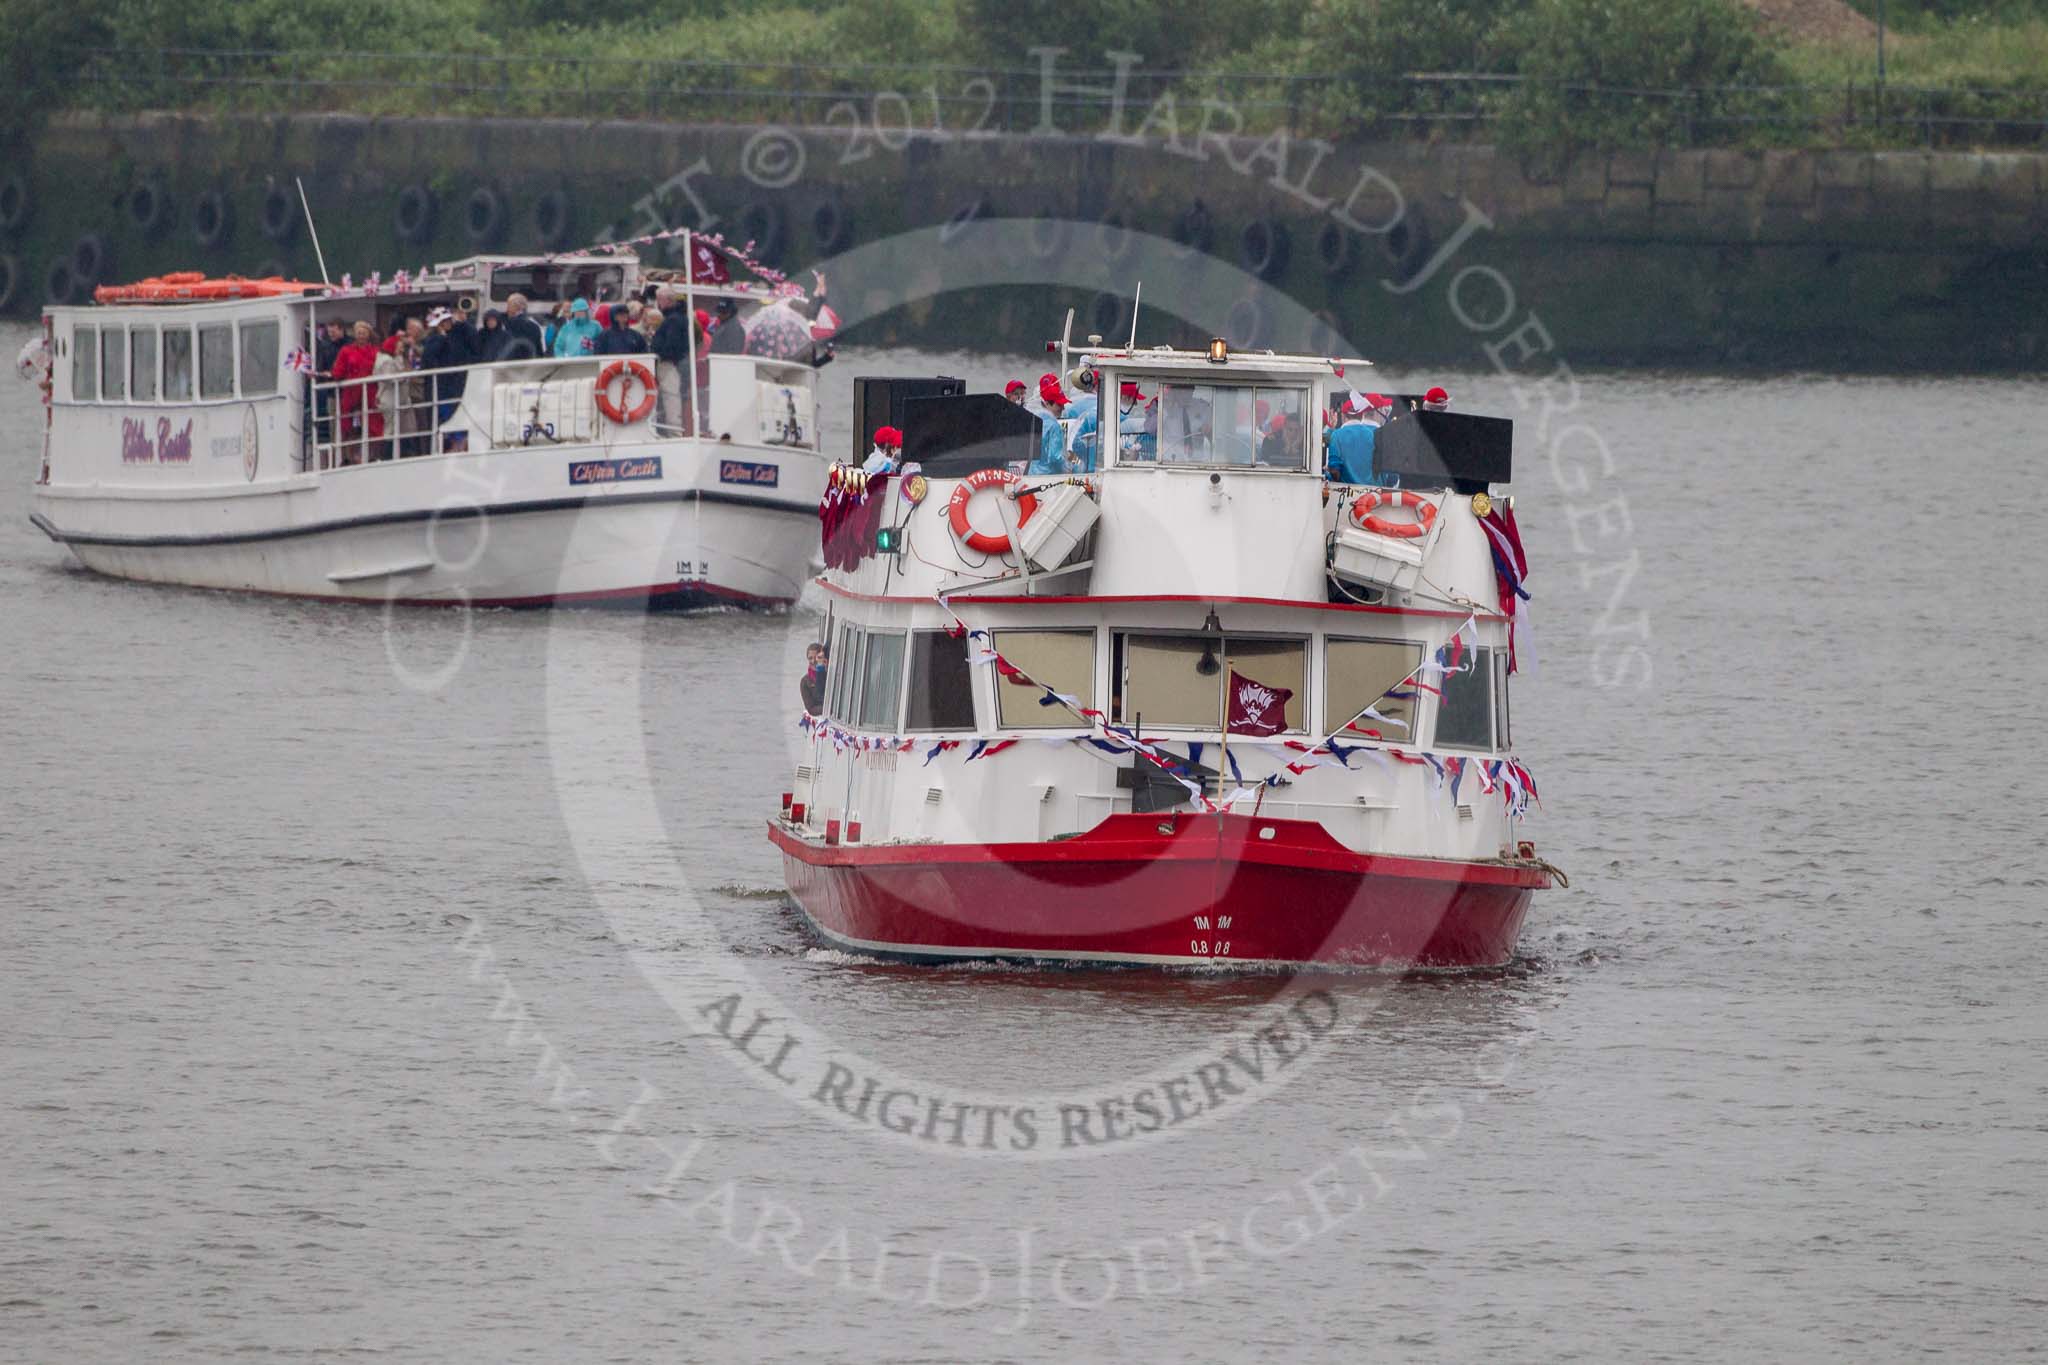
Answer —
1015 391
1438 399
888 451
1052 436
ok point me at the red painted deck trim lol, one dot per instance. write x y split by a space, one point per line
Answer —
1019 600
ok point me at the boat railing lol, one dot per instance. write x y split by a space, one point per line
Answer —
554 401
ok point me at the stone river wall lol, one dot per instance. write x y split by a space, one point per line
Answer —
1787 259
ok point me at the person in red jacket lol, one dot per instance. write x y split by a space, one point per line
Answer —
356 361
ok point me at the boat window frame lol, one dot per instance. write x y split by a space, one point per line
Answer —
114 338
200 332
85 362
1113 378
936 641
892 722
1408 706
138 332
1057 717
843 673
1503 728
191 367
1481 655
1121 685
242 329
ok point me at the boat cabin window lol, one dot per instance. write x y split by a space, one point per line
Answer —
177 364
217 361
1179 680
142 364
85 364
1465 717
881 680
1261 425
941 684
1358 674
843 674
556 283
113 363
1063 660
1503 737
259 358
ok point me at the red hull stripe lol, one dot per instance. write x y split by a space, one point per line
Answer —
1056 600
1115 840
1203 895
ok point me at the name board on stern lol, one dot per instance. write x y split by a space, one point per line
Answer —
750 473
614 471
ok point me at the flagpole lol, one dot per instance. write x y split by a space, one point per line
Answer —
689 384
1223 757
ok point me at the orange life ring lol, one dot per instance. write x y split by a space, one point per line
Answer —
956 509
1369 501
617 412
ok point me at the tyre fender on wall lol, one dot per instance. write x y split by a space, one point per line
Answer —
280 213
483 218
213 219
552 220
1263 247
413 219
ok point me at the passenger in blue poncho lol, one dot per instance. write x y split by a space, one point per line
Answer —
1052 437
1351 445
1085 413
578 336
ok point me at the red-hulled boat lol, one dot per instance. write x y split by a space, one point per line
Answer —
1228 686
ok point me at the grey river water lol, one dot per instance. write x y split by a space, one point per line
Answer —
322 1040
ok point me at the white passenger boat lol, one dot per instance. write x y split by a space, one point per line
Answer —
1201 704
187 442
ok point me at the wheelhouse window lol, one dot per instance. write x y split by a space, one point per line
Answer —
113 364
1465 717
1358 674
259 358
881 680
1252 425
941 684
85 364
1063 660
142 364
1180 680
217 361
177 364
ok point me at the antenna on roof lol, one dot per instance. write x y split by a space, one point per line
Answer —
1136 299
313 232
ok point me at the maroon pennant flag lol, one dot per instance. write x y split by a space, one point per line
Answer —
1256 709
707 264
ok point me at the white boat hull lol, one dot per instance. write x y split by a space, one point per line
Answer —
449 530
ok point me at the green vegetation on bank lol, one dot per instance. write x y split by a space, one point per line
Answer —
1557 74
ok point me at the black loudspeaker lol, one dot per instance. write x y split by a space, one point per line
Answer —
955 434
878 402
1461 450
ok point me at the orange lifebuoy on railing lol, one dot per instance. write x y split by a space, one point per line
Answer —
1369 502
956 509
617 412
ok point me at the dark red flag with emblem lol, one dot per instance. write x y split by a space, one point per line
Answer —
1256 709
707 264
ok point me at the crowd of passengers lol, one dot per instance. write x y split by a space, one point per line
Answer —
1268 434
402 406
